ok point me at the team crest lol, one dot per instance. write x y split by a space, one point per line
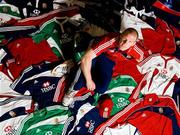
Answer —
171 68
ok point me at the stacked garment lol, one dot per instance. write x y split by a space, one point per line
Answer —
41 46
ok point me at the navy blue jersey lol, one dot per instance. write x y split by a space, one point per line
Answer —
84 122
44 88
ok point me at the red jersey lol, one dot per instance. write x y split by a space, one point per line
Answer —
25 53
108 44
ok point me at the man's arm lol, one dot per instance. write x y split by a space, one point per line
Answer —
97 48
86 64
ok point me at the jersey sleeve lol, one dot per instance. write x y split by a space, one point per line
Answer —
106 42
147 64
18 85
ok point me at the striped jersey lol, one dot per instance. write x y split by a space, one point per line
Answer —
47 121
45 89
161 74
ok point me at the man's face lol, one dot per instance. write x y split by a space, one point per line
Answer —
128 41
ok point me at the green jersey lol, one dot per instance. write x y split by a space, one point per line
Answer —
48 121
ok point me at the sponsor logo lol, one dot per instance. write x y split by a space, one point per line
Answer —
87 124
122 102
48 87
65 38
9 130
36 12
49 133
90 126
46 84
163 74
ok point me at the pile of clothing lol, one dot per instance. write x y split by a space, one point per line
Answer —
41 46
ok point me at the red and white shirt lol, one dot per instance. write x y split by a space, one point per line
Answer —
161 74
108 44
146 117
25 53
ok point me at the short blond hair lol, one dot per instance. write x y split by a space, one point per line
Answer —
129 31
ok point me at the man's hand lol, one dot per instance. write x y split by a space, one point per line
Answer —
91 85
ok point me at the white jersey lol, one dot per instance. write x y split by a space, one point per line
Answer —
161 74
5 82
10 126
12 112
126 129
128 20
12 104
